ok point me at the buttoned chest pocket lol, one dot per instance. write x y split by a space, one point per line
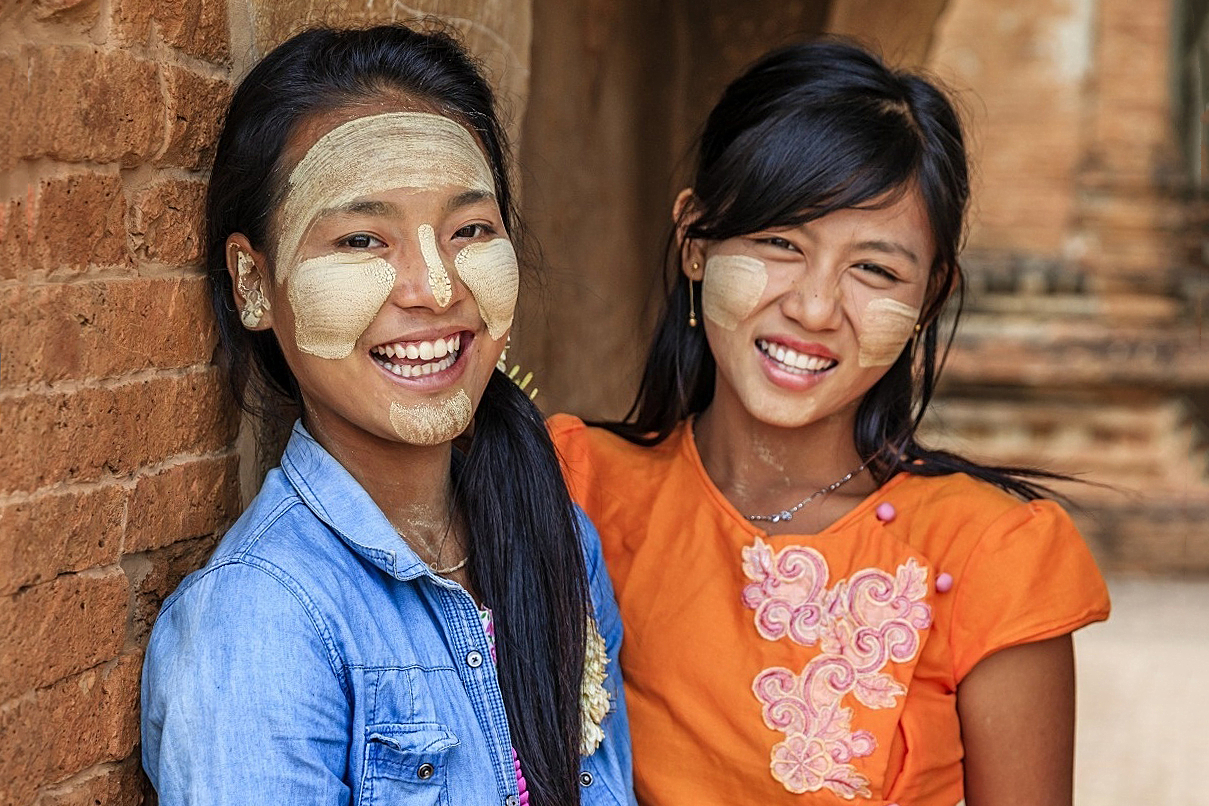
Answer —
407 764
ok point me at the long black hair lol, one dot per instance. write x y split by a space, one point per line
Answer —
810 129
525 556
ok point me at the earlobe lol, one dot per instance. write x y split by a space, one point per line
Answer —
248 280
692 256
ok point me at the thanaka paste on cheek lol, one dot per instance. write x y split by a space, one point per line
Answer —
413 150
335 297
886 326
489 269
438 278
731 289
431 423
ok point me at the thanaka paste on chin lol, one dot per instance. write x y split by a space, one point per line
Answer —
432 423
731 288
335 298
886 326
489 270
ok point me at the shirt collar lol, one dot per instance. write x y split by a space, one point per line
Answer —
336 499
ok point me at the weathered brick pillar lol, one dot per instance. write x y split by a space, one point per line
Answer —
119 470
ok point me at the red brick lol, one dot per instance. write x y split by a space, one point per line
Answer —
53 534
79 722
82 435
9 70
85 104
154 575
185 501
196 27
101 329
59 628
197 106
166 222
117 784
78 220
15 229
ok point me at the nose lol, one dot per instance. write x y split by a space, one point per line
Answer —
425 278
815 300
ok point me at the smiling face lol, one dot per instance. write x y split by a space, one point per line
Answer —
394 279
804 321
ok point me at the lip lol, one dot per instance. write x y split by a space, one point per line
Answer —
793 381
437 380
807 347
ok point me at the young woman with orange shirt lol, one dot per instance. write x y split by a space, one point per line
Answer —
818 608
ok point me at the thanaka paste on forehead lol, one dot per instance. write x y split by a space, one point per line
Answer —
431 423
438 277
367 155
489 269
886 326
335 297
732 288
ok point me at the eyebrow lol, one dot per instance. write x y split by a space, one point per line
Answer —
361 207
890 248
466 199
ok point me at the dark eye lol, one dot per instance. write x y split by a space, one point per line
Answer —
360 240
779 243
474 231
880 271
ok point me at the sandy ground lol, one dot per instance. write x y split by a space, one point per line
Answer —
1143 730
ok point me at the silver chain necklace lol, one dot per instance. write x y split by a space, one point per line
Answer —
787 514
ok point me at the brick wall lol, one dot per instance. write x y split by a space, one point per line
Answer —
119 468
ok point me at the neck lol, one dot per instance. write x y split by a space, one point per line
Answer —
411 484
763 468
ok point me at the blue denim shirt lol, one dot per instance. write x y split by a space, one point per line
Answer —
316 659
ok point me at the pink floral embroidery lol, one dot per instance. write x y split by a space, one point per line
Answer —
860 625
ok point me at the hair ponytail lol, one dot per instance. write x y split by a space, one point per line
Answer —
527 562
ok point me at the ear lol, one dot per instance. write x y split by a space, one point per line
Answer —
692 253
250 284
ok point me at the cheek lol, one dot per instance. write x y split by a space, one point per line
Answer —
886 325
334 299
732 288
489 269
432 423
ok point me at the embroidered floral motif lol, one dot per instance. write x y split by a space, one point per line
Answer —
860 625
593 696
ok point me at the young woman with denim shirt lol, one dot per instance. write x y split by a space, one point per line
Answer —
391 621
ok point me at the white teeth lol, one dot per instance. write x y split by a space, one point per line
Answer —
440 348
412 351
445 351
791 358
426 350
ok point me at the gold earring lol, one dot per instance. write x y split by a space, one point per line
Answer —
917 326
255 304
692 309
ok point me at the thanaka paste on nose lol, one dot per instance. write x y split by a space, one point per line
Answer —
732 287
886 326
438 277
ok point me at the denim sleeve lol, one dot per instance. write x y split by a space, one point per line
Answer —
243 702
615 752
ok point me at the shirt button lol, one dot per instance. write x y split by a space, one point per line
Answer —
425 772
585 778
512 800
474 659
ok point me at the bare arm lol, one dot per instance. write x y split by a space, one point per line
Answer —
1017 711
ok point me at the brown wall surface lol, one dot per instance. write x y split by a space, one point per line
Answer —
120 468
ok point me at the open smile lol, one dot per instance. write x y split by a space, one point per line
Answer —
795 362
415 359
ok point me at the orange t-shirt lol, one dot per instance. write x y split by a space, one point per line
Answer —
814 668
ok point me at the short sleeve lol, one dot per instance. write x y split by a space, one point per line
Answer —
241 702
1030 577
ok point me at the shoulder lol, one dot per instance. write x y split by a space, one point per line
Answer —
584 447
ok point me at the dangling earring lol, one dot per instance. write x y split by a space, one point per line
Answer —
692 309
255 305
